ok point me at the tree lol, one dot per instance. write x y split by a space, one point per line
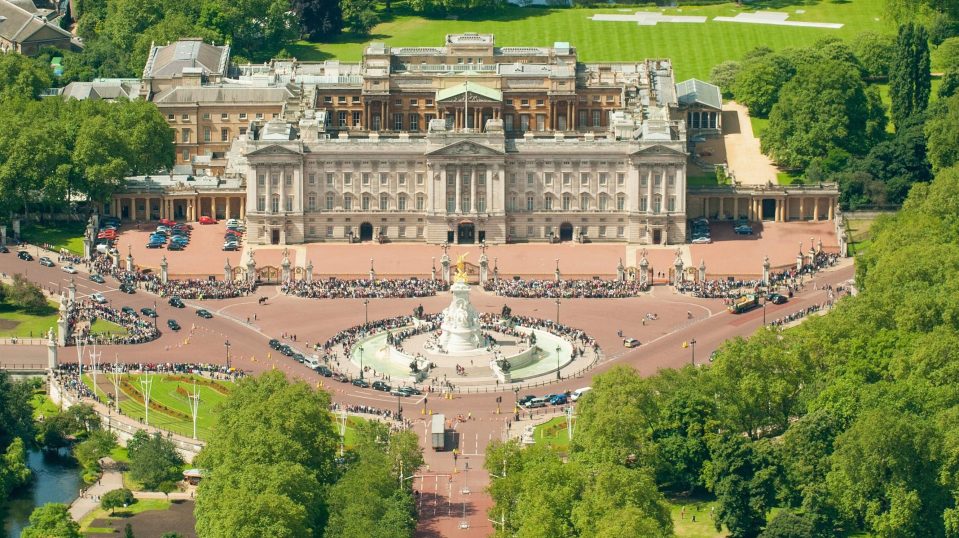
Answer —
881 471
171 534
88 452
788 524
947 55
116 498
942 137
259 28
742 479
269 458
51 520
909 76
616 494
875 52
757 86
16 415
155 461
823 107
724 75
319 19
26 295
14 473
950 84
359 15
22 76
128 531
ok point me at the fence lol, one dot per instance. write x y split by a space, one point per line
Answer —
19 341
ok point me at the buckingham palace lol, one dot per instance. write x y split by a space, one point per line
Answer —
461 143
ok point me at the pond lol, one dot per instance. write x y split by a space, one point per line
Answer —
56 480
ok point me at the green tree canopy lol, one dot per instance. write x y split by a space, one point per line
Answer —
51 520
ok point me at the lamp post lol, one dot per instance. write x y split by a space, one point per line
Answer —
764 311
399 409
516 404
557 310
692 345
227 346
361 362
557 363
155 314
366 312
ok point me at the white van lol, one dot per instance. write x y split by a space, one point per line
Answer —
312 362
579 392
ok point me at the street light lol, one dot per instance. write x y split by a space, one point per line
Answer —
366 311
361 362
764 311
557 310
516 406
227 345
557 363
155 314
399 409
692 345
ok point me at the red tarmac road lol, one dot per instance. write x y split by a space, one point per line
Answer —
442 502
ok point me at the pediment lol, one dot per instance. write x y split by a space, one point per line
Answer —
272 149
659 149
465 147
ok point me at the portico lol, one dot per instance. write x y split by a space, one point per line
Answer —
177 198
778 204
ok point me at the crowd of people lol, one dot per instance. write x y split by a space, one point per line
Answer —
335 288
719 289
82 314
785 320
565 289
185 289
388 414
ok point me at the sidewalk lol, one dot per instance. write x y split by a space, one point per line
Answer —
89 499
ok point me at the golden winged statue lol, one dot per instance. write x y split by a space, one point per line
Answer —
461 275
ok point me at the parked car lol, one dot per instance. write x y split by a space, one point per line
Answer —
232 247
630 342
24 255
275 344
204 313
69 269
524 399
777 298
128 288
148 312
207 220
97 278
743 229
559 399
156 244
324 371
232 222
98 298
172 324
4 249
398 392
578 393
361 383
176 302
701 240
46 262
381 386
175 246
410 391
128 310
535 403
342 378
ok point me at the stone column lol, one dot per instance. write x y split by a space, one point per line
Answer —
620 271
309 271
472 175
644 272
285 269
250 268
72 290
445 263
129 259
556 271
62 323
16 228
458 206
702 270
433 269
229 199
766 271
372 271
815 209
722 209
164 270
799 260
678 277
831 214
243 207
483 268
735 208
51 351
227 271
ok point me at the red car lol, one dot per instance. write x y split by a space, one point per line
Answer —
167 222
107 235
207 220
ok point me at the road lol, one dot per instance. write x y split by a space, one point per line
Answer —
451 496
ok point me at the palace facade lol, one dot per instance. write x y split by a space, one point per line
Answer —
462 143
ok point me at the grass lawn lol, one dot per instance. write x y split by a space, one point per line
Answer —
788 178
859 235
694 48
685 527
142 505
554 433
43 406
15 322
68 235
164 393
886 100
701 179
759 125
101 326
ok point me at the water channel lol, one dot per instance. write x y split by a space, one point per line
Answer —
56 480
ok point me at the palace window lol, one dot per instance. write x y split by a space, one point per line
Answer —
289 180
347 178
289 203
567 202
275 203
420 202
401 178
644 180
397 122
657 203
507 122
311 202
384 202
567 179
184 117
541 122
481 203
329 179
671 204
329 231
602 202
529 203
584 202
620 231
657 180
347 202
621 203
620 179
524 122
596 118
450 202
311 178
414 122
384 178
185 136
548 178
260 180
584 179
602 179
224 135
548 203
329 202
642 204
261 203
341 116
357 115
530 178
366 178
419 179
366 202
242 115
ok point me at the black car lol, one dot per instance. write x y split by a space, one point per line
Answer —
361 383
24 255
298 357
324 371
128 310
172 324
777 298
176 302
128 288
97 278
275 344
286 350
528 397
174 246
204 313
46 262
411 391
148 312
381 386
4 249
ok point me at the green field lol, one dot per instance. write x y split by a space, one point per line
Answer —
68 235
142 505
102 326
554 433
683 523
164 393
694 48
15 322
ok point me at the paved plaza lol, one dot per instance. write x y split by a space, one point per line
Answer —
449 488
